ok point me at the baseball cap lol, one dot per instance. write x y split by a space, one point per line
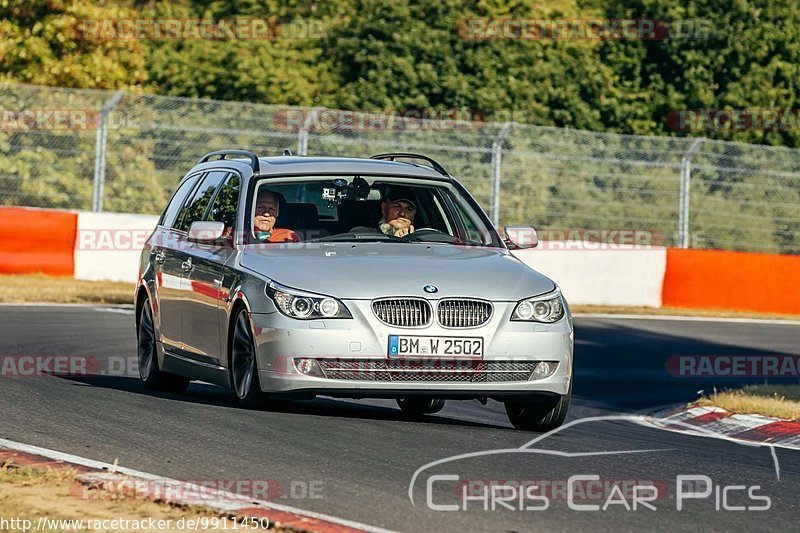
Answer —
401 193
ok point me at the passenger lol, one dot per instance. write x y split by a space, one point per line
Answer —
398 213
268 205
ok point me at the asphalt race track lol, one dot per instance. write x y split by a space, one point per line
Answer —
356 459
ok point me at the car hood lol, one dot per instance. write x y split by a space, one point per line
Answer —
372 270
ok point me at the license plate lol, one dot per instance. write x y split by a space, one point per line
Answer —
416 346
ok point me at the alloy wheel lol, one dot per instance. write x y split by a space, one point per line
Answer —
242 356
147 342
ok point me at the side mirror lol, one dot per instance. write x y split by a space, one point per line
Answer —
206 232
521 237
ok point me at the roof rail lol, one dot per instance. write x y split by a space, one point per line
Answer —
392 156
220 154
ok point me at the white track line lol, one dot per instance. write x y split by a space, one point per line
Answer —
82 461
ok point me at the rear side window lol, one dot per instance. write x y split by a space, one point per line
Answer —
178 199
224 207
195 208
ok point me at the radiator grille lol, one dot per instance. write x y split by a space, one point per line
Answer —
403 312
460 313
430 371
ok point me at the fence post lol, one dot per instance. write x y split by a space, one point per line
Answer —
497 159
686 178
302 133
100 151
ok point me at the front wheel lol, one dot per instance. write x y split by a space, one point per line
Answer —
416 407
538 416
152 377
244 367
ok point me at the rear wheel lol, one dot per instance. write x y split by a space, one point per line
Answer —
244 366
416 407
538 416
152 377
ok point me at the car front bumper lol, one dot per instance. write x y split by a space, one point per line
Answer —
362 344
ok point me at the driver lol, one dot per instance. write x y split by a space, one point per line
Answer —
398 213
268 205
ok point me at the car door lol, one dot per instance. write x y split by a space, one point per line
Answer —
203 319
166 258
178 261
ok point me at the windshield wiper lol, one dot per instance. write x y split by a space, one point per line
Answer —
434 237
354 237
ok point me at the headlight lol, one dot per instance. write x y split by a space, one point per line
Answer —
546 308
305 305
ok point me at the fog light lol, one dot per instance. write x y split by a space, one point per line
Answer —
308 367
544 369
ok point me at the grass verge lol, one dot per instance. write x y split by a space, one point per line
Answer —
42 288
29 493
774 401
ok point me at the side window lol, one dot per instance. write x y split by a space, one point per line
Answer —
178 199
195 208
224 207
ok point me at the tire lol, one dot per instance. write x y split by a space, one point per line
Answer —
152 377
538 416
416 407
244 367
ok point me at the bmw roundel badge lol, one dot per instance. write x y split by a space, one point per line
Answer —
430 289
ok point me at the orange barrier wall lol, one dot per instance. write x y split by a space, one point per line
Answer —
37 240
715 279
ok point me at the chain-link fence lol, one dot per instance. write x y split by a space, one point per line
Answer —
115 151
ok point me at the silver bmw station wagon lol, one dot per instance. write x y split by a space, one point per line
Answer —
286 277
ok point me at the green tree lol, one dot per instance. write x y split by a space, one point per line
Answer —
50 43
745 56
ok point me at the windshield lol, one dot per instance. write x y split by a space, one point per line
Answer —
363 208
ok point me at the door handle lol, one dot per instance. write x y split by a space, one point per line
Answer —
187 265
159 257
